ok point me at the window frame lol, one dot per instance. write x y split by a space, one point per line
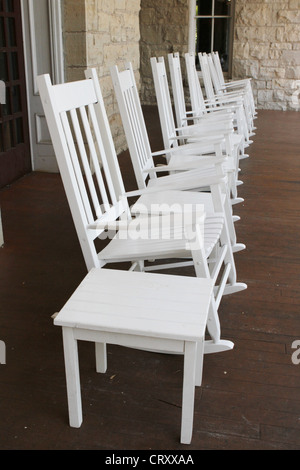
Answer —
192 30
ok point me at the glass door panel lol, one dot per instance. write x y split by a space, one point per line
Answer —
15 158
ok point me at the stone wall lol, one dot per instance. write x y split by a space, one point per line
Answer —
267 48
100 34
164 29
74 32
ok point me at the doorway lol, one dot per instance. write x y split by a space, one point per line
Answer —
15 155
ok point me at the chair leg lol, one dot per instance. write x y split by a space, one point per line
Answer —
188 391
199 363
72 378
101 357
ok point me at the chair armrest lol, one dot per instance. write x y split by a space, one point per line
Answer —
240 82
148 220
200 182
204 141
203 162
109 225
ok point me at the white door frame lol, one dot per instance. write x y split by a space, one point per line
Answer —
42 153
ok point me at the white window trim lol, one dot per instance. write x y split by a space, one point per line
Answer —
55 13
192 25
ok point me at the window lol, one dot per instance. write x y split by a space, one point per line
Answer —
211 29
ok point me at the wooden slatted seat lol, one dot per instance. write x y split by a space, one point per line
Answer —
138 310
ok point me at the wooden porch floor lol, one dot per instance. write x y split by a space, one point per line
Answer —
250 398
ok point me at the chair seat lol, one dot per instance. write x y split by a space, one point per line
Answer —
236 139
157 305
228 165
137 310
184 199
170 243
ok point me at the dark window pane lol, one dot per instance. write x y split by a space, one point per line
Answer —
203 35
221 40
11 32
2 35
3 67
222 7
6 108
19 131
14 67
16 97
9 5
8 136
1 5
204 7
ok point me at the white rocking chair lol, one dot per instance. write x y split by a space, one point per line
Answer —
217 100
198 132
184 117
233 85
243 92
105 308
143 159
201 106
74 113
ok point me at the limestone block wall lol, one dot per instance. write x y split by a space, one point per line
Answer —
164 29
267 48
100 34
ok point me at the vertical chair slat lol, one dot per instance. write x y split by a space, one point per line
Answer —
98 140
76 167
135 127
93 154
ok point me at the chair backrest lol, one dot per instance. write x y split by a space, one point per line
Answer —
177 89
133 123
196 95
218 67
106 135
208 85
164 103
72 111
214 75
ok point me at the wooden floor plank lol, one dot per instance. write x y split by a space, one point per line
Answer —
250 398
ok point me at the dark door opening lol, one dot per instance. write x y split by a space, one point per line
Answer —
15 157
